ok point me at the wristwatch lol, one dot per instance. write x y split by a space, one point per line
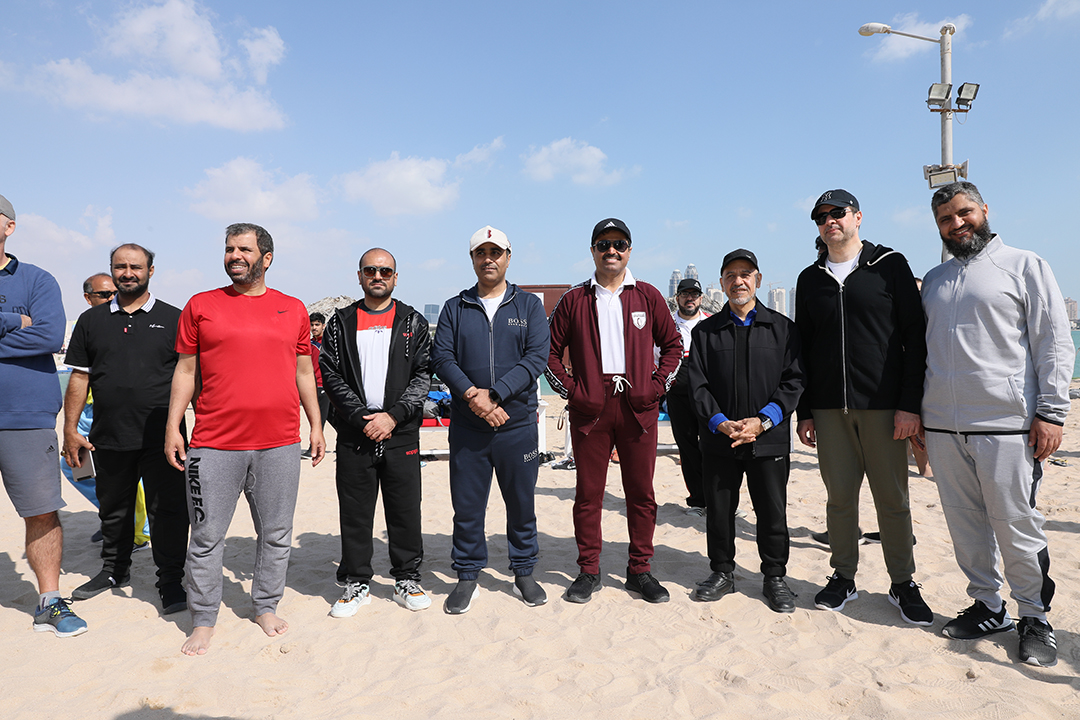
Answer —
766 422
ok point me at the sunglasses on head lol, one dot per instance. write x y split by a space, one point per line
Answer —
103 294
605 245
384 272
835 214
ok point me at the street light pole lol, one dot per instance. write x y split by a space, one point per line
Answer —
947 31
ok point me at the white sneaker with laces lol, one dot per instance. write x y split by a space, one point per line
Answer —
355 595
411 595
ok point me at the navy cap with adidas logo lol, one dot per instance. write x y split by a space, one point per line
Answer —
610 224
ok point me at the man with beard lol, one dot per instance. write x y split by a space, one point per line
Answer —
124 352
375 370
745 380
684 423
491 345
610 324
864 353
1000 358
248 350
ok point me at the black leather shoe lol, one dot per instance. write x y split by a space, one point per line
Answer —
714 587
779 595
645 585
98 584
581 590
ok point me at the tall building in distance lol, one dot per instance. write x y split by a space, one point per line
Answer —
673 283
691 272
778 300
1070 308
431 314
791 303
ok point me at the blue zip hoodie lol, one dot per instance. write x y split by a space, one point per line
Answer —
505 355
29 390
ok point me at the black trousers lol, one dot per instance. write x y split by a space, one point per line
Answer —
359 475
118 473
766 479
684 426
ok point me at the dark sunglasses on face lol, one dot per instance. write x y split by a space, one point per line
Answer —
835 214
103 294
384 272
605 245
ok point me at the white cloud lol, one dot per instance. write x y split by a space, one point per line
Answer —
183 99
897 47
806 204
581 161
178 69
56 239
402 186
1050 11
676 224
264 48
480 154
174 32
242 190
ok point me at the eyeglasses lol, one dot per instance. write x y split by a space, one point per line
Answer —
691 294
384 272
605 245
103 294
835 214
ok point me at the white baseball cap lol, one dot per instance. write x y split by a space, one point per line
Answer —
488 234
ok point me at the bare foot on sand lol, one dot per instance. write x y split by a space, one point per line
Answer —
271 624
198 641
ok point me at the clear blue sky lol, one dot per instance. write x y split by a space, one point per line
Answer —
342 125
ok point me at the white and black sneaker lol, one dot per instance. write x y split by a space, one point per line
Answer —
836 593
977 621
1038 646
355 595
410 595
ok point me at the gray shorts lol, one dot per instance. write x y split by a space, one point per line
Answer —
30 467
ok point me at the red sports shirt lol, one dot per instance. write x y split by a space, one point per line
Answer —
247 348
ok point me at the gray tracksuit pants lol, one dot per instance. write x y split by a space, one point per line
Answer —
988 485
215 478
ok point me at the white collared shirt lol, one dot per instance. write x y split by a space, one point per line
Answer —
609 316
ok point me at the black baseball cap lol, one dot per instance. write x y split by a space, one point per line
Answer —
739 254
836 198
688 284
610 224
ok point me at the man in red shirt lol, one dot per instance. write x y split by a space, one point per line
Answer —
610 324
246 348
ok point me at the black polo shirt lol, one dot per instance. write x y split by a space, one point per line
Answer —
130 360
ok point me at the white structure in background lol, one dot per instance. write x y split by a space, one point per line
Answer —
778 300
673 283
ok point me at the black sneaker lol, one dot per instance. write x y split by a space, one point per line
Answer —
529 590
98 584
913 608
582 589
778 595
645 585
173 598
1037 643
821 537
714 587
836 593
460 600
977 621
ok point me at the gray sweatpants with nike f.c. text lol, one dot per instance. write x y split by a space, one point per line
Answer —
215 478
988 485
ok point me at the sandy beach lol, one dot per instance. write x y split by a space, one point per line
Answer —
615 657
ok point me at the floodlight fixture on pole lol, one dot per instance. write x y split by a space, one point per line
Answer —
938 100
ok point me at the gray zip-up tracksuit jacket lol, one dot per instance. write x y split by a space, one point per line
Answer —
999 345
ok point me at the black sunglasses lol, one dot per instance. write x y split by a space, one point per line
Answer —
605 245
385 272
103 294
835 214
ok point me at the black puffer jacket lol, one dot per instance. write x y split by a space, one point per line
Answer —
863 340
408 377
